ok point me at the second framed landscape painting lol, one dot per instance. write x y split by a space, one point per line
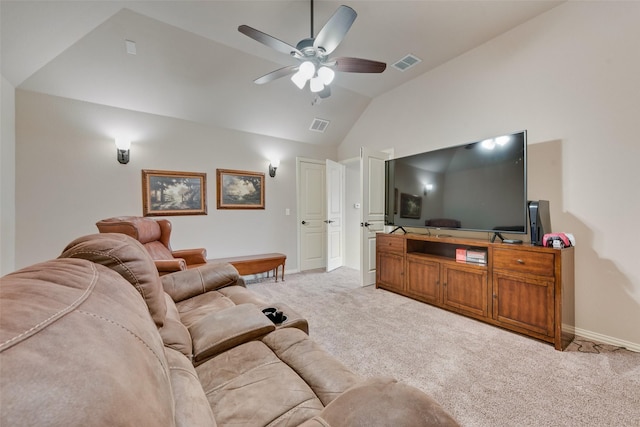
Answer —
239 189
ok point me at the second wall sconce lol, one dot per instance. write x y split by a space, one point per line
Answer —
123 146
275 163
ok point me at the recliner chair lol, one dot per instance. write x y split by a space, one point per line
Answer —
155 234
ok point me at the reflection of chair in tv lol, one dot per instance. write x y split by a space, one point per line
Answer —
442 222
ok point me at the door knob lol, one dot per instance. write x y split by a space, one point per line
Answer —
304 222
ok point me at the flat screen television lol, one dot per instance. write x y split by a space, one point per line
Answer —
479 186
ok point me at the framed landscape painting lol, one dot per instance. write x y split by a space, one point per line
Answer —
239 189
410 206
167 193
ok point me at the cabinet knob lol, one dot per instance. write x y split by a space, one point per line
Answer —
519 261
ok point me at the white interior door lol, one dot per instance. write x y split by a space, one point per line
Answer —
372 181
311 214
335 173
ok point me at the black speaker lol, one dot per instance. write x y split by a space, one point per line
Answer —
539 220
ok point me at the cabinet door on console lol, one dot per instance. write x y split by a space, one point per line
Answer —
389 262
423 279
525 302
465 289
389 271
523 290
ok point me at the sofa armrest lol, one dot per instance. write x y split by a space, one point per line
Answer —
191 406
382 402
192 256
185 284
227 328
165 266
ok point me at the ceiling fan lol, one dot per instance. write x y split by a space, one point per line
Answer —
313 53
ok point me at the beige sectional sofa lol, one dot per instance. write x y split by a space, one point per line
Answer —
97 338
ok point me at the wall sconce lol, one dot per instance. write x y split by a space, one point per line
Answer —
427 188
122 146
275 163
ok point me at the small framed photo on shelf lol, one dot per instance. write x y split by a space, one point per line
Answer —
239 189
167 193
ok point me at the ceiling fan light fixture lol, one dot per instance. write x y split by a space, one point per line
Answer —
299 80
316 84
326 74
307 69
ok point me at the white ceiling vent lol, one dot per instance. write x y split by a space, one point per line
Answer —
319 125
130 45
407 62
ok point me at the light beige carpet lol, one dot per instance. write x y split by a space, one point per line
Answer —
482 375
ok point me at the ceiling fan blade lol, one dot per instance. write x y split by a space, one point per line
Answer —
280 72
335 29
357 65
268 40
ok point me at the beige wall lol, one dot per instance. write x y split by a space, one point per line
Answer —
7 177
67 177
570 77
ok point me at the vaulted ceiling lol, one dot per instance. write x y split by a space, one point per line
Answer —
192 63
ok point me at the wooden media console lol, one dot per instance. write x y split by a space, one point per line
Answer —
524 288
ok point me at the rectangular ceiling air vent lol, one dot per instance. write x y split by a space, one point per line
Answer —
319 125
407 62
130 45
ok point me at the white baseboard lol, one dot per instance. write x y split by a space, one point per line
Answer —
605 339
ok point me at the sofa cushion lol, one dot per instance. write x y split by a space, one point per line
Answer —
173 332
76 341
191 406
186 284
382 402
326 376
241 295
249 386
126 256
193 309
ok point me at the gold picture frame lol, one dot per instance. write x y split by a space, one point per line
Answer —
238 189
168 193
